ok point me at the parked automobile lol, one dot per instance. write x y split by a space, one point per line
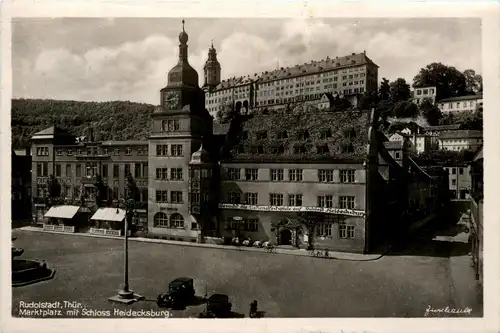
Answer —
218 306
180 293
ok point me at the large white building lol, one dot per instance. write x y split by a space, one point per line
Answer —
349 76
461 140
460 104
420 94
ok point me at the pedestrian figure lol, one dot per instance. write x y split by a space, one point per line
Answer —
253 309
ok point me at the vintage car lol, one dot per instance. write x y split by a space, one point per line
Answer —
218 306
180 293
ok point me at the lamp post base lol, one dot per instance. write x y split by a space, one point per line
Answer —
126 297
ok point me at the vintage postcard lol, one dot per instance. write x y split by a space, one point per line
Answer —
318 168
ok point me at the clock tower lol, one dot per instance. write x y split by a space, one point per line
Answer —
178 125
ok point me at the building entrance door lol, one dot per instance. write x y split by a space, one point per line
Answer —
286 237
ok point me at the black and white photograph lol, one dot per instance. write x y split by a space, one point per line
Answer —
247 167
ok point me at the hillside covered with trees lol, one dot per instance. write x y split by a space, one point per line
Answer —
115 120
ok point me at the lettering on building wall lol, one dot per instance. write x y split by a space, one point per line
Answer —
340 211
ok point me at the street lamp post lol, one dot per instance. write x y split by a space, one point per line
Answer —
126 295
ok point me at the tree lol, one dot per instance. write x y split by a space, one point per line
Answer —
384 92
399 90
405 109
341 103
131 189
449 81
226 113
54 189
473 81
368 101
100 189
430 112
310 221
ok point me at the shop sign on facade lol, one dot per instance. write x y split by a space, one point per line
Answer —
339 211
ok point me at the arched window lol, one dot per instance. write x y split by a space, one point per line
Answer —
160 220
176 221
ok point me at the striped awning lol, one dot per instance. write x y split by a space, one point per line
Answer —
109 214
62 212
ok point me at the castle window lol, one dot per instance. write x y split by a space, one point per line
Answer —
302 135
283 135
128 151
176 150
117 151
325 175
299 149
176 221
325 201
276 174
347 202
322 149
234 198
295 175
42 151
161 150
261 135
161 196
278 150
161 220
347 176
346 231
176 197
251 174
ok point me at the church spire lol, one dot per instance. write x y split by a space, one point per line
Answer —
183 73
212 68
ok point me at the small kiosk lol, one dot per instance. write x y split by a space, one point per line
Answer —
66 218
108 222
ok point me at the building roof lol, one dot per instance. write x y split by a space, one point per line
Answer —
50 133
109 214
348 139
461 134
330 97
220 129
125 143
355 59
393 144
479 154
62 212
461 98
441 128
234 82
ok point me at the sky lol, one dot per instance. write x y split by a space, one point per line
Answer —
106 59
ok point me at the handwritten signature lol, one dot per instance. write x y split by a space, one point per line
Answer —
447 310
341 331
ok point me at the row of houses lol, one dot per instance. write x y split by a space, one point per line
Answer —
469 103
257 178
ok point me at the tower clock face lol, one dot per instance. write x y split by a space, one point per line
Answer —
171 100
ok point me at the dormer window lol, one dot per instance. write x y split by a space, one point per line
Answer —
299 149
258 149
69 152
347 148
59 152
278 149
283 135
326 133
261 135
302 135
350 133
323 149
